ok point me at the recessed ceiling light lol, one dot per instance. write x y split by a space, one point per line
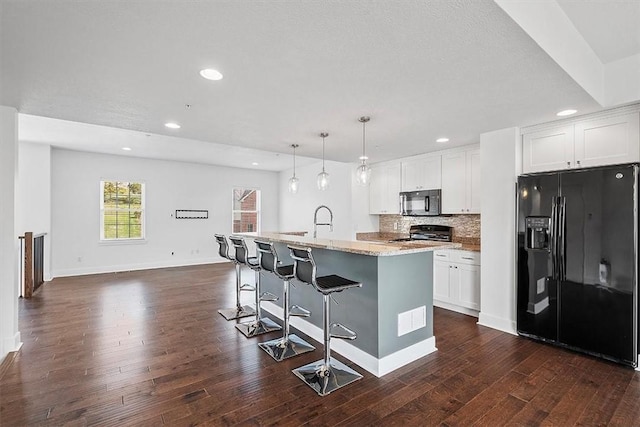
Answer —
211 74
364 157
566 113
126 148
442 140
172 125
254 164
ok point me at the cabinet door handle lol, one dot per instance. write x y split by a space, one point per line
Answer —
465 257
578 162
456 266
568 164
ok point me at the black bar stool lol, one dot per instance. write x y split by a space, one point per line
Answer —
290 344
328 374
260 325
239 310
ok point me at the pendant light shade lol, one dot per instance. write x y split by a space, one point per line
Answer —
294 181
363 173
323 177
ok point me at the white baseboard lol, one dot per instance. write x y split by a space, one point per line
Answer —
131 267
499 323
377 367
456 308
10 344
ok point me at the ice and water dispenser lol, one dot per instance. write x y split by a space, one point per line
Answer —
538 232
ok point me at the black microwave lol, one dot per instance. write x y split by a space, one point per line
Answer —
420 203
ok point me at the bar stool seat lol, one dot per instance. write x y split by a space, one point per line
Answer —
261 325
328 374
239 311
289 345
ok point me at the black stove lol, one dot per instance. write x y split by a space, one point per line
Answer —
437 233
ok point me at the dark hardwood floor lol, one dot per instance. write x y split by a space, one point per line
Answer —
149 348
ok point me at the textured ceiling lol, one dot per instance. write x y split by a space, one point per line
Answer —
420 69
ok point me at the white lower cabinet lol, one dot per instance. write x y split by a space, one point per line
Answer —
456 280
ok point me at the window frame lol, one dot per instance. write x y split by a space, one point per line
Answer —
143 210
258 210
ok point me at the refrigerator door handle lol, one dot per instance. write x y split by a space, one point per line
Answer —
553 239
562 261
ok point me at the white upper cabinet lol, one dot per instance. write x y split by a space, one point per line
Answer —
461 182
422 173
547 150
454 189
594 142
607 141
384 189
473 181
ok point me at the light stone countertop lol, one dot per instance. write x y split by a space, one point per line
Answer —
355 246
384 237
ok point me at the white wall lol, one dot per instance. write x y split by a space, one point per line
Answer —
9 247
348 202
33 195
169 186
501 162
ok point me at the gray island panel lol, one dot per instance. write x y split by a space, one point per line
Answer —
391 285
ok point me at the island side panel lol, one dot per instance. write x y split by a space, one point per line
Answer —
405 282
357 308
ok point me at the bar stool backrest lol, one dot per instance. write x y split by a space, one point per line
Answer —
304 267
223 250
267 255
241 249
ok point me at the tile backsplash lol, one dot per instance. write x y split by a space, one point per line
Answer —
464 226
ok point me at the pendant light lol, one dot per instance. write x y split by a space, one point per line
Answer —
323 177
293 181
363 173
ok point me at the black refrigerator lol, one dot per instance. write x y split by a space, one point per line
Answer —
577 261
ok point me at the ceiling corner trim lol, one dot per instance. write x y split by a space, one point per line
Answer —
546 23
621 81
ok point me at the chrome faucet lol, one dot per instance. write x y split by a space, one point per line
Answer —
316 223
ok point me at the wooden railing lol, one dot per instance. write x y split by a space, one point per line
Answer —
32 263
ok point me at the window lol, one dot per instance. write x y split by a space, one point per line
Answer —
121 210
246 210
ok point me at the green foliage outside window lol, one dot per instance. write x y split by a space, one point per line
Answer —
122 210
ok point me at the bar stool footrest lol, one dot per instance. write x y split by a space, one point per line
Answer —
247 287
298 311
259 327
237 312
338 330
284 348
268 296
325 379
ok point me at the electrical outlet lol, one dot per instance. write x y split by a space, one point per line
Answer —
404 323
412 320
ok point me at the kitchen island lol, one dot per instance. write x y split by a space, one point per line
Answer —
393 311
